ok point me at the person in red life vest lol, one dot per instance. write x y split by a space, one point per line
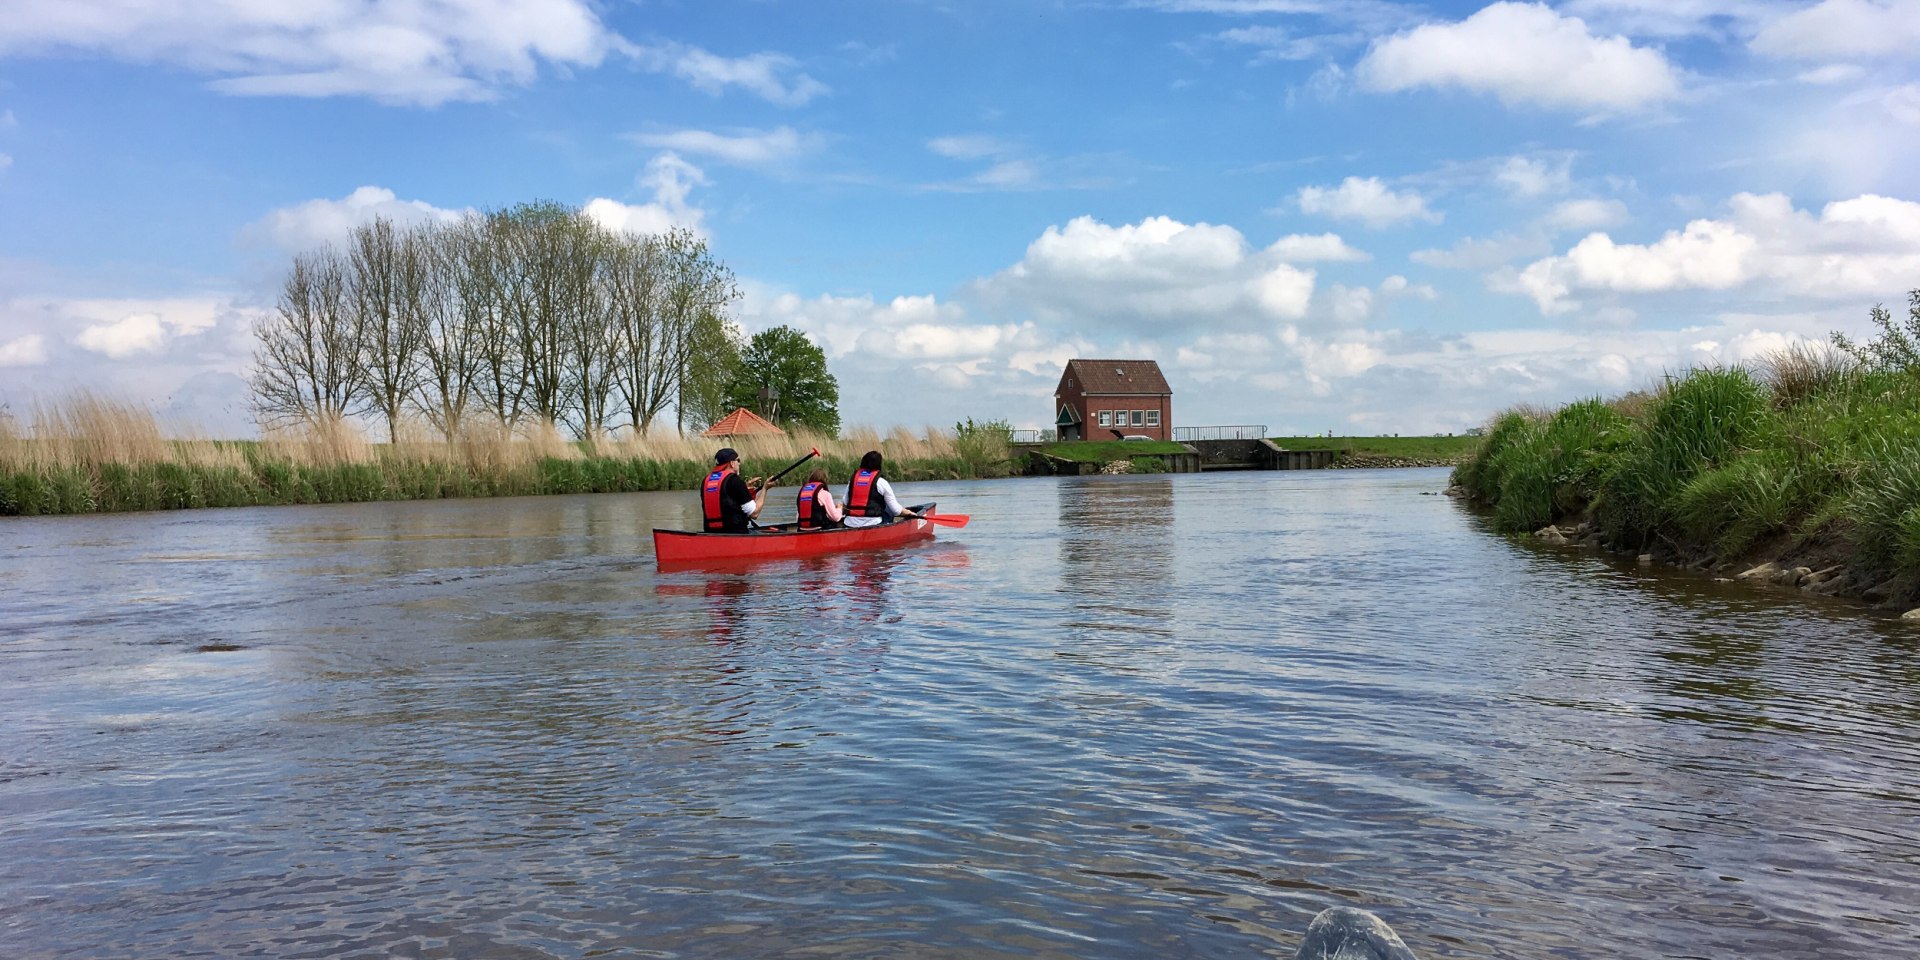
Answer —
726 502
870 500
816 508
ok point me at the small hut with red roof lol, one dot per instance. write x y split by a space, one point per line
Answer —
743 423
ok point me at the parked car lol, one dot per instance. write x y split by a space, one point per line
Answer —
1135 436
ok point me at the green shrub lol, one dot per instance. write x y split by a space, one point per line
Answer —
985 449
1481 473
1695 423
1885 511
1731 508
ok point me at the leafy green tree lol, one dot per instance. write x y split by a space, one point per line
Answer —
1897 347
784 359
713 363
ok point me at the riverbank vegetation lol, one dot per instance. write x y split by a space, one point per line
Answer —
1438 451
91 454
1107 451
1813 453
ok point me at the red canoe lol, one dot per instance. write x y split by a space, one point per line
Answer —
782 542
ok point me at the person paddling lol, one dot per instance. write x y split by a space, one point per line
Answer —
726 502
815 506
870 500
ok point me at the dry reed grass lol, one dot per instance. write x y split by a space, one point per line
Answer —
1804 370
87 430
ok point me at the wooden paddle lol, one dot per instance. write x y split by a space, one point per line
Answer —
791 467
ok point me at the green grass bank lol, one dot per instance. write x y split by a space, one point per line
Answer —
1436 451
1107 451
1810 460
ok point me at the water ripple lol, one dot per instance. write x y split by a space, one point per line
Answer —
1115 717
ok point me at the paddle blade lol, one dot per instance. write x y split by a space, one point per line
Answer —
949 519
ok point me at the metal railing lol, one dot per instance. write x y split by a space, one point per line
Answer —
1232 431
1032 436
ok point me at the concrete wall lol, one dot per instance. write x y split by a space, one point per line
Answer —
1231 454
1279 458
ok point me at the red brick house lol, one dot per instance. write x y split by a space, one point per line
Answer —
1110 399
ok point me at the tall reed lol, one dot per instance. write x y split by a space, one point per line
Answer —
91 453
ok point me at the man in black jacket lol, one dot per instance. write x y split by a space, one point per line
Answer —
727 503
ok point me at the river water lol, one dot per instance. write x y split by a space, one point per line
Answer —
1113 717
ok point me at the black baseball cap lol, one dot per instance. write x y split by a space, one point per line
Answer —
726 455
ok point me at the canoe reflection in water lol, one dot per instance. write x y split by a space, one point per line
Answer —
839 595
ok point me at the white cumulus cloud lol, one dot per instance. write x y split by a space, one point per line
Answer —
1522 53
1861 248
1155 276
423 52
672 180
1535 176
1368 200
27 351
1841 29
312 223
1317 247
134 333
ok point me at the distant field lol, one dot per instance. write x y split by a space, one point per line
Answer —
1104 451
1422 448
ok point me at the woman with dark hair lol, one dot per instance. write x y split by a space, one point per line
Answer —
870 499
817 511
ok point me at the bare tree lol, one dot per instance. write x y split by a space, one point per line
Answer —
531 244
632 277
385 276
451 322
529 313
486 280
584 315
306 360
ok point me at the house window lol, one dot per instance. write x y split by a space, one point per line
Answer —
1153 418
1139 418
1106 418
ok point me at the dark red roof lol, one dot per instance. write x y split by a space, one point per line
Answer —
740 423
1118 376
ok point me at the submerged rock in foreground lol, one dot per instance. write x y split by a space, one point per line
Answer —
1343 933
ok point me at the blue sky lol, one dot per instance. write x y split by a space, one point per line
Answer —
1363 217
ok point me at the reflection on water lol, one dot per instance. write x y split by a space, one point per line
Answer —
1113 717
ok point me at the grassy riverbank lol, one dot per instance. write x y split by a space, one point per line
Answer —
1809 458
1107 451
1439 451
92 455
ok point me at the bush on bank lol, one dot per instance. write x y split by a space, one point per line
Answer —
1809 447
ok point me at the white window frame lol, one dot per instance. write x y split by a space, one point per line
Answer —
1106 418
1153 418
1139 418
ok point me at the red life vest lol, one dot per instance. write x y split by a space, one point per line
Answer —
813 516
710 500
860 499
